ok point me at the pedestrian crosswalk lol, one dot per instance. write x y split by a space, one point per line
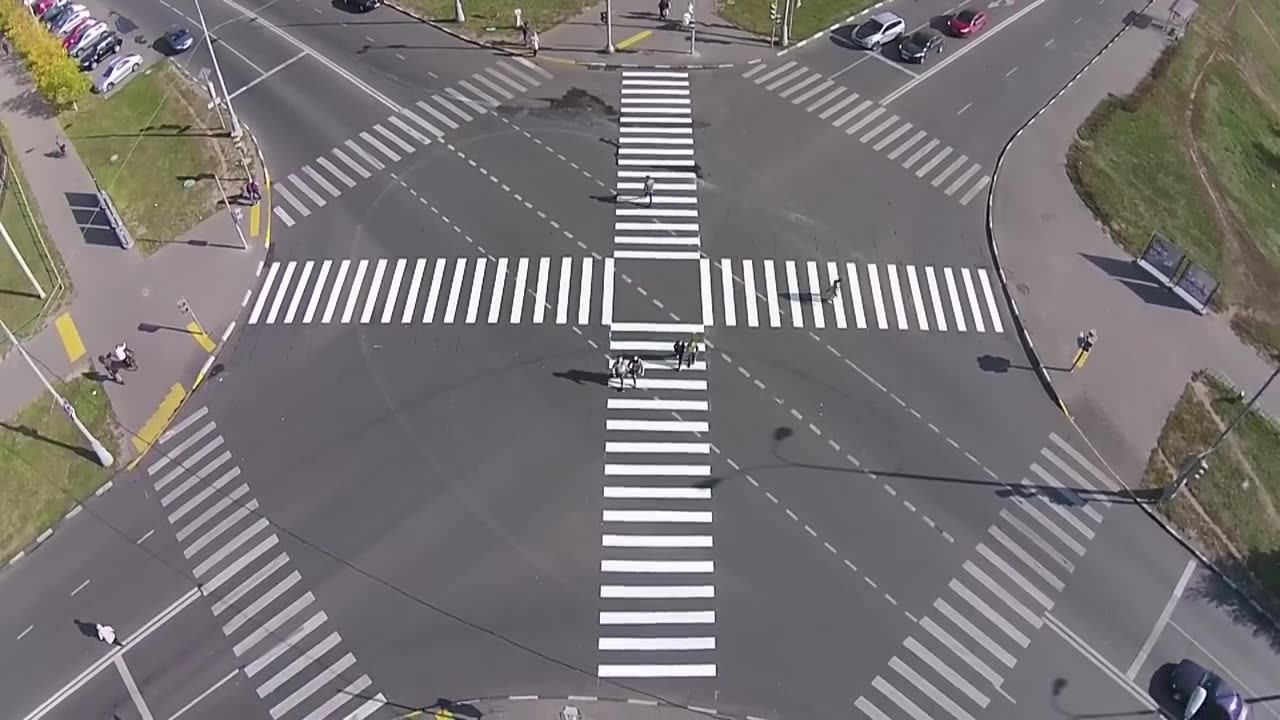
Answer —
579 290
657 616
657 203
385 143
284 643
973 633
941 165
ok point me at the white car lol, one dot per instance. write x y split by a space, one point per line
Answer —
117 70
88 38
879 30
70 22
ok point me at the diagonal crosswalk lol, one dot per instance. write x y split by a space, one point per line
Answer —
973 633
287 649
736 292
932 161
385 143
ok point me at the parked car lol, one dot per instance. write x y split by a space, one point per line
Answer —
88 36
43 8
105 47
179 39
879 30
74 36
117 70
917 46
967 22
363 5
1204 695
70 22
56 12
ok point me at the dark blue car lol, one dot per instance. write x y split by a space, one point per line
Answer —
1204 695
179 39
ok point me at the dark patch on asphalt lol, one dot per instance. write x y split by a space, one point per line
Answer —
575 101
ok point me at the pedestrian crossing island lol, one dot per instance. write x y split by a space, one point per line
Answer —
736 292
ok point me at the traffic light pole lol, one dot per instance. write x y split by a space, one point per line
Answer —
1196 466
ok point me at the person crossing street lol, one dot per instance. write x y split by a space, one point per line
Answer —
635 369
680 347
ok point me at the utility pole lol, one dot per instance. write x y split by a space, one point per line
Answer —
787 10
22 263
774 19
458 15
1196 466
104 455
236 132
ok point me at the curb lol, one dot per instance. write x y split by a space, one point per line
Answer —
590 65
994 246
828 30
200 377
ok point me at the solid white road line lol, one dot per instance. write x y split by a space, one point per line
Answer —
855 297
959 53
704 284
606 299
815 292
946 173
972 631
978 323
929 689
499 288
375 285
562 298
996 324
656 403
873 278
793 295
851 97
1084 462
898 151
964 178
956 310
1027 558
915 156
939 317
659 327
659 617
869 709
887 140
977 188
356 167
979 666
1067 492
933 162
620 425
658 448
281 292
899 699
299 291
917 300
1095 657
895 291
540 294
320 180
584 293
833 274
1162 620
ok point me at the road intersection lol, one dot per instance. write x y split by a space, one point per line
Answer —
416 480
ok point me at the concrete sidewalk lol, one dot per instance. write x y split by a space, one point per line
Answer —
120 295
1067 276
640 37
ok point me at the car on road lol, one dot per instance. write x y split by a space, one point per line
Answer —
363 5
87 38
179 39
880 29
967 23
116 71
917 46
1204 695
105 47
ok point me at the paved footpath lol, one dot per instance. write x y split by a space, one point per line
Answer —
1068 276
118 294
641 38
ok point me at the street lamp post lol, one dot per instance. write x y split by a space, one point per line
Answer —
608 27
104 455
1196 465
235 121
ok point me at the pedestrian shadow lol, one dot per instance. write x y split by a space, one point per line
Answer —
809 297
610 199
88 629
584 377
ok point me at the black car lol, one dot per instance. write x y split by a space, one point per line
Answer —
363 5
100 50
1204 695
916 46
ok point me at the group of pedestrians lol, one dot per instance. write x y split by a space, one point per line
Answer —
622 368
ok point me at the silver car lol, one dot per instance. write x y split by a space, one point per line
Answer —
880 29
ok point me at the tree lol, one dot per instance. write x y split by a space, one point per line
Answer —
57 76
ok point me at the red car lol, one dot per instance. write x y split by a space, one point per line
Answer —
968 22
42 6
74 36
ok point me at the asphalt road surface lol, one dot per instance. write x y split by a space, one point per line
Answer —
854 496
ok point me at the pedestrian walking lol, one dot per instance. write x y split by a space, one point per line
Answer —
635 369
648 189
4 45
534 43
62 146
107 634
680 347
617 370
691 350
832 291
524 33
664 9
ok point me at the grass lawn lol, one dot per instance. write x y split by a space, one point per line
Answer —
494 20
812 16
1133 162
20 305
45 465
143 141
1240 492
